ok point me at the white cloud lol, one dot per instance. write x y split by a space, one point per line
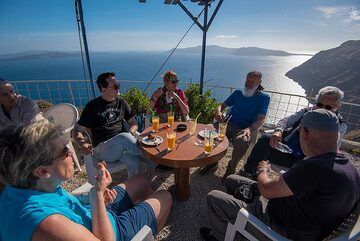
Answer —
344 13
355 14
226 36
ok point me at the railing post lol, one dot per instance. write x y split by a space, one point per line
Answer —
71 93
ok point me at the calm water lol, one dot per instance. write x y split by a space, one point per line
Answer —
225 70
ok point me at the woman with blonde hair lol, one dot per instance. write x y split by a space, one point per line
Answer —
35 161
169 98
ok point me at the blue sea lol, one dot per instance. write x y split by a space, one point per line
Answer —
223 70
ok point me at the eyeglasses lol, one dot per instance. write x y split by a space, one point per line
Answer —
65 153
327 107
174 81
9 92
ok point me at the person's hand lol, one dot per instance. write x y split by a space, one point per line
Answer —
246 134
172 94
109 195
103 179
87 148
264 165
159 92
275 138
219 117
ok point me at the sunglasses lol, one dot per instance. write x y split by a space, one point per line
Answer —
327 107
174 81
65 153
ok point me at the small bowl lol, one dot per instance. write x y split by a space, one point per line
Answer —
181 127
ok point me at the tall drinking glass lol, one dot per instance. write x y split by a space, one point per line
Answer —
208 144
155 123
222 131
192 129
171 137
170 115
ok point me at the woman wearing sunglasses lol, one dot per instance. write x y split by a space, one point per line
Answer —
34 162
169 98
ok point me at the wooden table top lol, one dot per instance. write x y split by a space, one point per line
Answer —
185 153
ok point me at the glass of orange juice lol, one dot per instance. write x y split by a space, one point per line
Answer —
155 123
208 144
170 115
222 131
171 137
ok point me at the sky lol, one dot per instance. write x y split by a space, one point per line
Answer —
305 26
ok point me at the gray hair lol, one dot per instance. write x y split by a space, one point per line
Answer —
330 91
23 149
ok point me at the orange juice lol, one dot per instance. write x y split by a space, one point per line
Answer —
208 146
171 118
171 141
155 123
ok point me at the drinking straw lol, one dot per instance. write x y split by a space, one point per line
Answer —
152 112
197 117
228 120
167 131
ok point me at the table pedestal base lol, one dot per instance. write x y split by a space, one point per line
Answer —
182 184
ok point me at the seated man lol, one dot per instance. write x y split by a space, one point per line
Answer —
307 202
248 111
286 131
16 109
104 117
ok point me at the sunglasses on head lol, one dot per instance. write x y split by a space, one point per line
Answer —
327 107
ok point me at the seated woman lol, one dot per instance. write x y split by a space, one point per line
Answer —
169 98
34 161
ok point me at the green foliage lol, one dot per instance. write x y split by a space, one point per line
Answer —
203 104
356 151
137 100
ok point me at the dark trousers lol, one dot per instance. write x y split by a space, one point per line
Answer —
263 151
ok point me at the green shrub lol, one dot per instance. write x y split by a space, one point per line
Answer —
137 100
203 104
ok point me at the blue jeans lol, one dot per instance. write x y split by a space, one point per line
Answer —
123 148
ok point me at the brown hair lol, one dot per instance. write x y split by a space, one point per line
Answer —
169 75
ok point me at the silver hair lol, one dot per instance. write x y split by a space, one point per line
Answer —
330 91
23 148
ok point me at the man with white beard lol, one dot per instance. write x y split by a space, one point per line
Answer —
248 111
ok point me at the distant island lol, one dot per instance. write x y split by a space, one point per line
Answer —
38 55
339 67
244 51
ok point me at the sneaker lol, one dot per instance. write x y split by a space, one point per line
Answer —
205 169
207 234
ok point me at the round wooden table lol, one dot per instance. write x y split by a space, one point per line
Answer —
186 154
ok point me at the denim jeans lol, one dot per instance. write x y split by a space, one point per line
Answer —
123 147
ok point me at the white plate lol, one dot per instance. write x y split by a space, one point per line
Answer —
202 133
283 148
153 142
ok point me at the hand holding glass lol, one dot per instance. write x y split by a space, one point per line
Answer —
222 131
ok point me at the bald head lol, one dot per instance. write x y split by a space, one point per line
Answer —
319 132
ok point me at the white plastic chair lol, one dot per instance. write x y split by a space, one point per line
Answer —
253 229
65 115
144 234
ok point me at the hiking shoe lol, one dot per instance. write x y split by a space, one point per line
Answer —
205 169
207 234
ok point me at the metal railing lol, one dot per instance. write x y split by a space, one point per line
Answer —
78 93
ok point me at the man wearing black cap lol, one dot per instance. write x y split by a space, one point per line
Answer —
247 115
307 202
